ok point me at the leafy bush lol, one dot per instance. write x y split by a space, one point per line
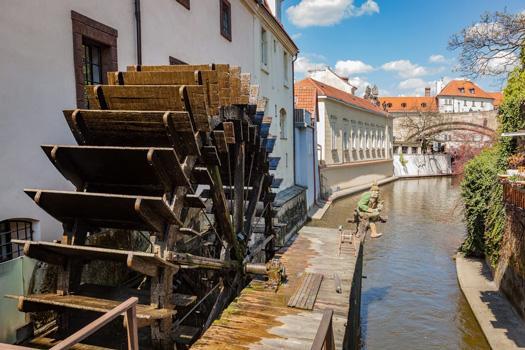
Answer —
481 191
478 188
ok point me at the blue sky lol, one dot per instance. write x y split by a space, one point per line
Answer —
399 45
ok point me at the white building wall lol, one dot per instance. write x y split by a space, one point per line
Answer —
328 77
456 104
37 73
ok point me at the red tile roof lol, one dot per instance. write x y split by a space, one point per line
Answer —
498 97
464 88
329 91
306 97
409 104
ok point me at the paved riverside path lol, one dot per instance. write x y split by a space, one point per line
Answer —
260 318
502 326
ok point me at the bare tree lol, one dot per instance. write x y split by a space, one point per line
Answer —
491 46
420 124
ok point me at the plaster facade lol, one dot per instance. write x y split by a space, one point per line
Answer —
38 76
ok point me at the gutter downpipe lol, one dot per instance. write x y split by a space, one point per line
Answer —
293 121
138 32
314 150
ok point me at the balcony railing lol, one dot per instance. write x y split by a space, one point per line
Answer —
514 195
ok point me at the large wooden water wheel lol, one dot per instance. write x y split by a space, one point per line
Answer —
177 155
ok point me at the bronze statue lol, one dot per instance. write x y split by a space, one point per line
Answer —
368 212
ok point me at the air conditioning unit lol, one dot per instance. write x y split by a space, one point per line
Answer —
302 118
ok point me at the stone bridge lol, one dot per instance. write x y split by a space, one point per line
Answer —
410 127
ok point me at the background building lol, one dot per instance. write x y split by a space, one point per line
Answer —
354 138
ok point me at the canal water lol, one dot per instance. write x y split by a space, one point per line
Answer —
411 299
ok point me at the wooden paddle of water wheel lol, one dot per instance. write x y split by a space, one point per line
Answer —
176 154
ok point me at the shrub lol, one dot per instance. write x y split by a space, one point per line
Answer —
478 189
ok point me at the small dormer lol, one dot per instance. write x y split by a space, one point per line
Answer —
472 91
462 90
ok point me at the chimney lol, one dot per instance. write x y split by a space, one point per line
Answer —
427 91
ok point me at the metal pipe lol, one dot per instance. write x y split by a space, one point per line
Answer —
293 123
256 269
138 32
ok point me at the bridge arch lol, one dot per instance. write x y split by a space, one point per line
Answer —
452 126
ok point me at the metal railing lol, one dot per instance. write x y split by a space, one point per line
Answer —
324 339
130 318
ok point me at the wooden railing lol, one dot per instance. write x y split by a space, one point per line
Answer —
514 195
324 339
129 307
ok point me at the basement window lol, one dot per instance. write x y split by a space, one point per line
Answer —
13 229
226 19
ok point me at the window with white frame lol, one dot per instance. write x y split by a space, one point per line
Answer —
345 140
282 123
333 122
285 67
353 135
264 47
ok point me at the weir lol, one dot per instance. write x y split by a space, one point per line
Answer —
261 318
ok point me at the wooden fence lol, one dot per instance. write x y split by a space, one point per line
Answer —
514 195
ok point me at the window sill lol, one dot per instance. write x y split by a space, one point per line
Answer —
265 69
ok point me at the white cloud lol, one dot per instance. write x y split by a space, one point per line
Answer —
405 69
349 67
412 84
416 86
499 63
303 64
437 59
328 12
359 83
296 36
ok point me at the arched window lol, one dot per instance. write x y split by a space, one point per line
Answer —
403 105
282 123
13 229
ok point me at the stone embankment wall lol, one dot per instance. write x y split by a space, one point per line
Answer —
352 339
335 178
510 272
414 165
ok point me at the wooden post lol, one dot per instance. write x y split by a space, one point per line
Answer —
100 322
324 338
161 297
238 209
131 327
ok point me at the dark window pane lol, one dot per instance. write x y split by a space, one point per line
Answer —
96 74
96 55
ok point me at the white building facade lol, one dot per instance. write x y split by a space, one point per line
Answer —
354 138
328 76
46 44
462 96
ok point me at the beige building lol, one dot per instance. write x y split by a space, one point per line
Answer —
354 136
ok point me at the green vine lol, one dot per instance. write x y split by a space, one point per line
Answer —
480 189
